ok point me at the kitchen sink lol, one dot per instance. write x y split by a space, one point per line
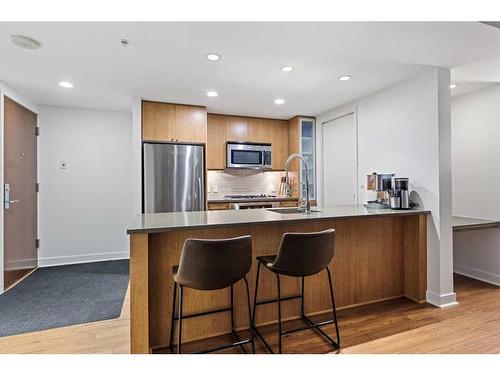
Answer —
288 210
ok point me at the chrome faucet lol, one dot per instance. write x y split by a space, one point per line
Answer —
305 207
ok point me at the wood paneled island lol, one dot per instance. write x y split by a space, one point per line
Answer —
380 255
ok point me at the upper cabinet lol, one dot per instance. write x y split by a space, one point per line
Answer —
302 139
258 130
190 123
173 122
278 136
158 121
308 151
237 128
216 142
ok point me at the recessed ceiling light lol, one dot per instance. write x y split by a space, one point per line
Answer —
25 42
212 94
66 84
346 77
453 85
213 56
279 101
287 68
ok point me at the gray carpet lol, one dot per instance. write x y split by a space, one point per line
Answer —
64 295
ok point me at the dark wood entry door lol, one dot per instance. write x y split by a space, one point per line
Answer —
20 177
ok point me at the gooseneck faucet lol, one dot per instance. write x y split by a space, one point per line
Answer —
288 191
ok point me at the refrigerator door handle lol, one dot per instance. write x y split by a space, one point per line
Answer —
200 195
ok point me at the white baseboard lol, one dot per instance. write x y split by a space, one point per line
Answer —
85 258
443 300
477 274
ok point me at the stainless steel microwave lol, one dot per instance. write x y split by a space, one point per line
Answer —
248 155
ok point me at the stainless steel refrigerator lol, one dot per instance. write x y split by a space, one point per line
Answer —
173 177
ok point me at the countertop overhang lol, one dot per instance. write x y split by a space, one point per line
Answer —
462 224
171 221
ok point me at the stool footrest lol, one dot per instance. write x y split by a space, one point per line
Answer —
204 313
274 300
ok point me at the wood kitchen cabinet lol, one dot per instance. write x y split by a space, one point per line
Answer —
237 129
216 141
158 121
173 122
258 130
278 136
302 139
190 124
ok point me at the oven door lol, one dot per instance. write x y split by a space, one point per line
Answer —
252 205
244 156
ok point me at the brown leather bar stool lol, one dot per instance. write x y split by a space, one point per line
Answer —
299 255
212 265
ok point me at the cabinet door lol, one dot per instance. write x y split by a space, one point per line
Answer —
190 123
258 130
237 129
278 134
216 141
158 121
294 147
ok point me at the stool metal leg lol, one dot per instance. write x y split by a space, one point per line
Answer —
249 314
302 298
333 306
255 304
172 322
279 314
232 308
255 294
179 333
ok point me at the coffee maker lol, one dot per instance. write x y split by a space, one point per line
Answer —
399 194
382 184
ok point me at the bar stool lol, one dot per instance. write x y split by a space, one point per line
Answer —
299 255
212 265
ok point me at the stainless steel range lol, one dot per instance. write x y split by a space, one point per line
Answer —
251 201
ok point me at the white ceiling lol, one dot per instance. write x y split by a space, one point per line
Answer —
166 61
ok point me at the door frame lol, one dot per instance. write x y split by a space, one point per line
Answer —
33 107
351 111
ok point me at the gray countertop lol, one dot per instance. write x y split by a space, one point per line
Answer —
163 222
461 223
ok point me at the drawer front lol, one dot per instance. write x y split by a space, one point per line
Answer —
288 204
218 206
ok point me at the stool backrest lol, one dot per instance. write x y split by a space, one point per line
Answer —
214 264
304 254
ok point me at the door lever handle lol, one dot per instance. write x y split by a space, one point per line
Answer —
14 201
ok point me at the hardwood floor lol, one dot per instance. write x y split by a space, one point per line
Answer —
398 326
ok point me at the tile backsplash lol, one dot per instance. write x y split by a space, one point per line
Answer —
242 181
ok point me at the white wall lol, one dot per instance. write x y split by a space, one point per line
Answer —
6 90
85 209
405 129
475 119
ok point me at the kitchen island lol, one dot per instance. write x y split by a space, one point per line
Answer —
380 255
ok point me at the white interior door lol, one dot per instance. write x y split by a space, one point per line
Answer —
340 161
